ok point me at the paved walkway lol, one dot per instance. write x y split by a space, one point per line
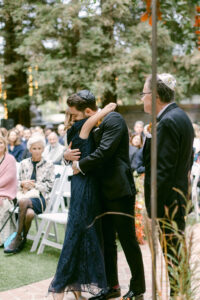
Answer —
38 290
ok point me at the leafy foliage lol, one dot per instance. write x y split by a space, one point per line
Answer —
99 45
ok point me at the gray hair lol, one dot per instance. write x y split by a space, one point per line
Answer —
35 138
139 123
165 93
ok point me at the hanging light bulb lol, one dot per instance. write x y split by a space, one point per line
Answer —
5 105
30 81
36 85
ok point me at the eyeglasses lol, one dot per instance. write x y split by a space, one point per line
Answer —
142 94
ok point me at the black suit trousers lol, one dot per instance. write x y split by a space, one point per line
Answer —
124 227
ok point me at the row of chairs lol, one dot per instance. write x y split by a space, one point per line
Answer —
195 176
55 212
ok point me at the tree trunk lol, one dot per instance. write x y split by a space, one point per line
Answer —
15 83
108 30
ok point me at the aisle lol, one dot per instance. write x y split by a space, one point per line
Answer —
38 290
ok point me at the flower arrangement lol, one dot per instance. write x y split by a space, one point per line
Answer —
139 209
139 226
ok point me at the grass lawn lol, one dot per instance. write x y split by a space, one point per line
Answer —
25 267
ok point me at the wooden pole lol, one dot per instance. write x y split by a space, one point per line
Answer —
154 147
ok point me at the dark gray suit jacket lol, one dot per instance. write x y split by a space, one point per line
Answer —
174 159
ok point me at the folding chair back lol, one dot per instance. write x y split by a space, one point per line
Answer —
195 189
55 203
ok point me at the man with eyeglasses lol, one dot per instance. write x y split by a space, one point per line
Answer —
174 160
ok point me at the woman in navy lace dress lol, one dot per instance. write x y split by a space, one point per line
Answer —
81 263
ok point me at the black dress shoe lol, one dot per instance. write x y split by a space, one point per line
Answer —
107 294
133 296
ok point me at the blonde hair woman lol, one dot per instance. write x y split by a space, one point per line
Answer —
8 188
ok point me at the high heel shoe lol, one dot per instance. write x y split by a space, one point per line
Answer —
78 296
58 296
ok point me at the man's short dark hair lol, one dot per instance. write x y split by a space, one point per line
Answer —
165 94
82 100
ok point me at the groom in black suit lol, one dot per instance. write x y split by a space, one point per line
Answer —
174 160
110 161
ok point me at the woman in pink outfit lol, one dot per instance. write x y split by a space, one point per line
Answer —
8 188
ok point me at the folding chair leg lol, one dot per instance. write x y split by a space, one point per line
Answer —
36 222
42 244
56 232
38 236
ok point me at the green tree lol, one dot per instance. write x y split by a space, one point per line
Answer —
99 45
15 79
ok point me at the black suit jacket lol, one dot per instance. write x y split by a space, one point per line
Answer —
174 158
110 161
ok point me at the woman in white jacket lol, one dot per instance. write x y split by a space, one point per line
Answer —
36 177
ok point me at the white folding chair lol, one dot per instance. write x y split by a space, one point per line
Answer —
195 190
58 170
49 206
55 217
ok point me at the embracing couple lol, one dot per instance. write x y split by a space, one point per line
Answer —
102 183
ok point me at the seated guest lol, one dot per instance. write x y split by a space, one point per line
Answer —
20 129
134 146
37 129
15 146
61 132
26 136
8 188
36 176
47 130
54 150
138 128
26 154
196 143
139 163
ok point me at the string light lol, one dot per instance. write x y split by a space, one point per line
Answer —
5 105
31 82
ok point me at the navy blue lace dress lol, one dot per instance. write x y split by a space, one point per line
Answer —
81 263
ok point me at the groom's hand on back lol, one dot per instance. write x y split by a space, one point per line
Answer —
72 154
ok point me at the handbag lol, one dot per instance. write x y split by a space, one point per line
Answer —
33 193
